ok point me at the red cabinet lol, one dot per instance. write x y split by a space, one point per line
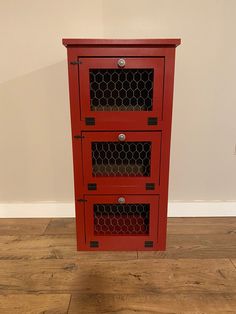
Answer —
121 105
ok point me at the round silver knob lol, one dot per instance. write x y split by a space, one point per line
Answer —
121 63
121 200
121 137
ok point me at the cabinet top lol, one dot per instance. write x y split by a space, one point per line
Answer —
171 42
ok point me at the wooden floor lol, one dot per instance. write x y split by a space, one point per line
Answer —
41 271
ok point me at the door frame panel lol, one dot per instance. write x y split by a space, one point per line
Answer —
122 184
118 119
124 242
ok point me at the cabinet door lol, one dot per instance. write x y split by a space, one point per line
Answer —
122 222
121 162
121 97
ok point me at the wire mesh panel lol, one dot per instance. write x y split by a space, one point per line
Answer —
121 159
121 89
119 219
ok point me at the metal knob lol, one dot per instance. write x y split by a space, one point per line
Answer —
121 137
121 63
121 200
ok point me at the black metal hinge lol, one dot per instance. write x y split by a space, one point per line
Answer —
90 121
152 121
94 244
92 186
81 200
150 186
75 62
78 136
148 244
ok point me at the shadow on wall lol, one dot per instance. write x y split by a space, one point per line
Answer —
35 139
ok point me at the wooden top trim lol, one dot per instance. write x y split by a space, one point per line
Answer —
174 42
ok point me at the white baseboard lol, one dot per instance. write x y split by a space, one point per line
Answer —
175 209
201 209
37 210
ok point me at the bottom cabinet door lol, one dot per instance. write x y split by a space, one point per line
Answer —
122 222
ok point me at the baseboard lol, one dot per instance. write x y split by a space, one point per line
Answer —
37 210
175 209
201 209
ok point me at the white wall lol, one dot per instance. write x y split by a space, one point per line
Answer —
35 158
35 139
203 164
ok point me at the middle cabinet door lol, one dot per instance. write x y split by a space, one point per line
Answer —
121 162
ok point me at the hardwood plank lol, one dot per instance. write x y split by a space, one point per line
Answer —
196 246
37 247
233 261
202 220
52 247
64 246
133 277
213 225
153 303
203 225
107 256
34 304
61 226
18 226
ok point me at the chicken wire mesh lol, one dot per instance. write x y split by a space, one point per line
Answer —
115 219
121 89
116 159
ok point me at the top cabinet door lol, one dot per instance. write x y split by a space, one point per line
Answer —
118 93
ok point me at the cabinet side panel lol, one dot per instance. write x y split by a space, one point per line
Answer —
76 144
166 138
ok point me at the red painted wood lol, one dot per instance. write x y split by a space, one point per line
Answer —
121 42
159 53
122 242
165 154
121 120
107 185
